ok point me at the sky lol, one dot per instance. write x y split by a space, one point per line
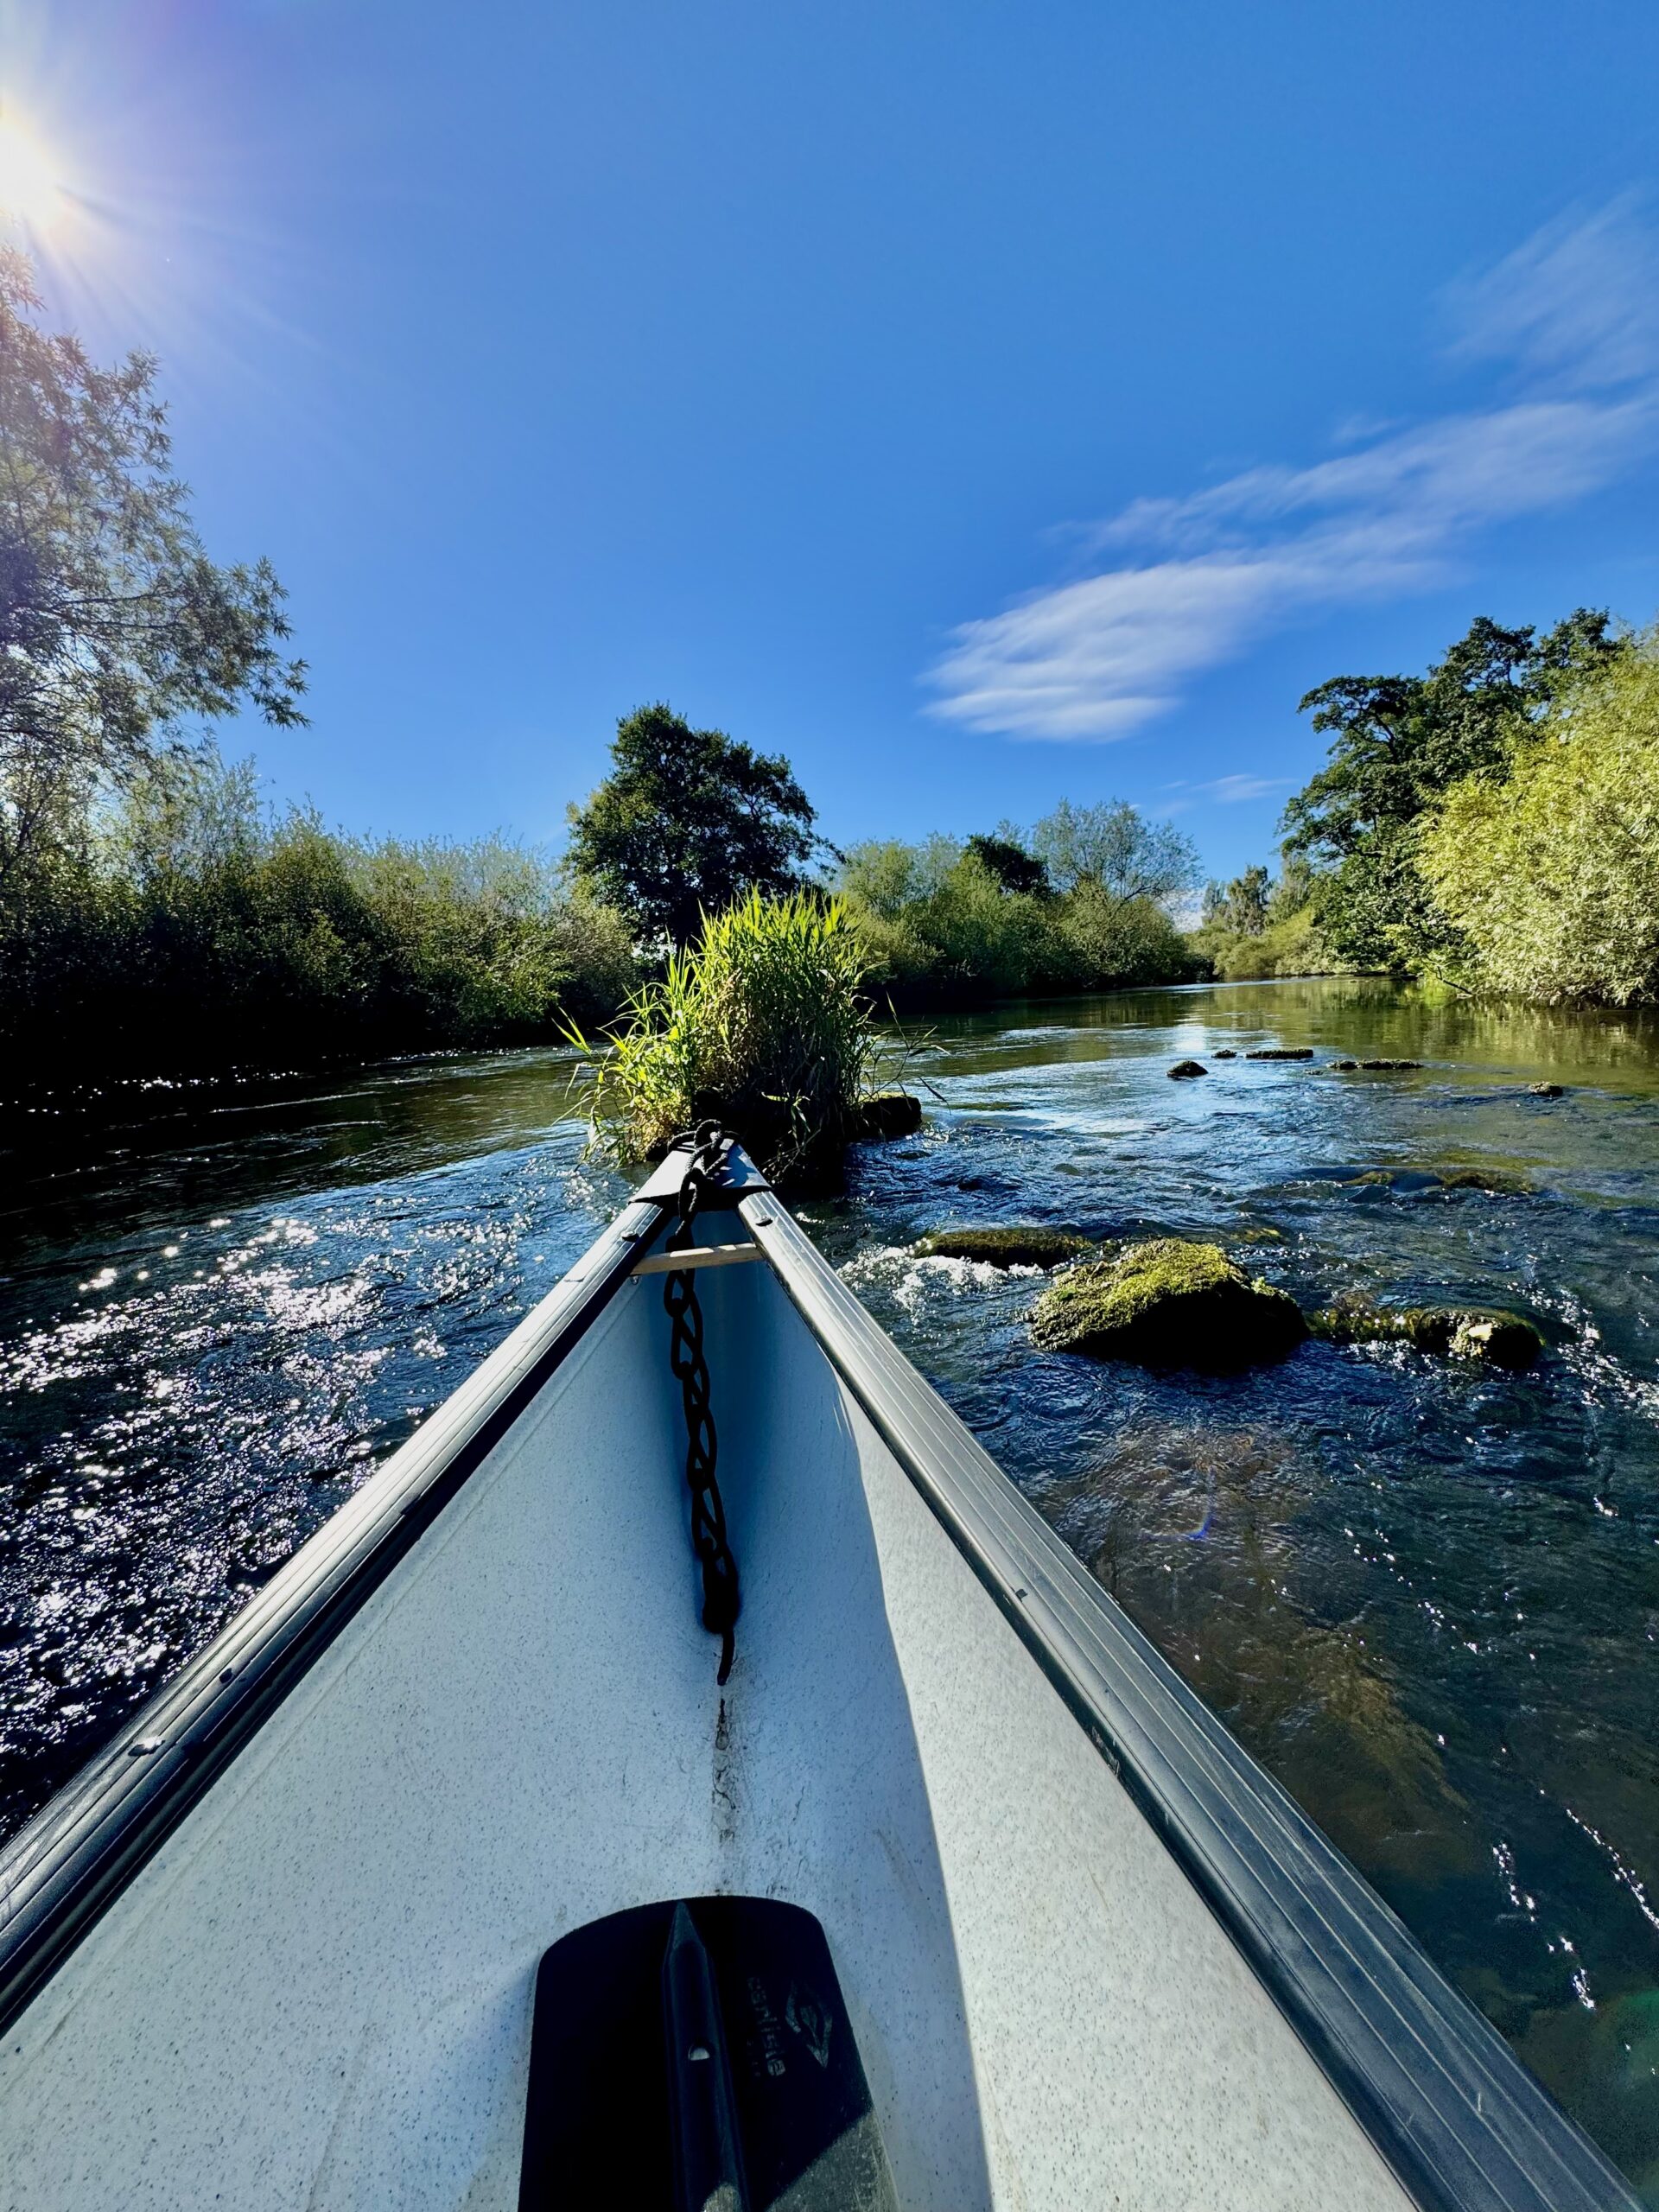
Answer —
980 402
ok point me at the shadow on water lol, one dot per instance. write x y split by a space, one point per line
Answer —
1427 1595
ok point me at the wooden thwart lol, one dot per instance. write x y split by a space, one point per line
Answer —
697 1255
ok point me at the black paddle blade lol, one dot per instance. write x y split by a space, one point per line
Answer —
696 2056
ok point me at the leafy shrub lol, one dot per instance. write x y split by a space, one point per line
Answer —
1552 874
186 928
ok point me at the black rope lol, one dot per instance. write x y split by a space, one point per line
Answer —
720 1595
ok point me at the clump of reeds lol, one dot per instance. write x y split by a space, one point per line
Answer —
758 1024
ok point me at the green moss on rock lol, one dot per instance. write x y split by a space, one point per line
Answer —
1281 1052
1168 1304
1027 1245
1504 1340
1501 1181
1391 1067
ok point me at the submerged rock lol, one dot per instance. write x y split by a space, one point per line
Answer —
1344 1064
1168 1304
1226 1053
1390 1066
1024 1246
886 1113
1543 1090
1281 1052
1184 1068
1506 1340
1501 1181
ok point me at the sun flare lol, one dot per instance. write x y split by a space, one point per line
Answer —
31 192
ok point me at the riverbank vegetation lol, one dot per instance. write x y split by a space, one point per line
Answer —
1490 827
180 925
1083 902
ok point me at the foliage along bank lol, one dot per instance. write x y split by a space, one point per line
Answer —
1491 825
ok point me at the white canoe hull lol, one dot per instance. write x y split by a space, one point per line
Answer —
312 1986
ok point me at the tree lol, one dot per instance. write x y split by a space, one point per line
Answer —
1111 851
687 822
117 633
1397 743
1014 868
1551 875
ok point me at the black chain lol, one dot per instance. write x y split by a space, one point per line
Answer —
721 1597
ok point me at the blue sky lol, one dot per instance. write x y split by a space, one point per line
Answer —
978 402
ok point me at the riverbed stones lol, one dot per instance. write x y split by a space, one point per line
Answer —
1023 1244
1500 1182
1506 1340
1391 1067
1225 1053
1281 1052
1184 1069
1167 1303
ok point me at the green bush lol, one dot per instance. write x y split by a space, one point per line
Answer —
940 925
761 1024
184 928
1551 875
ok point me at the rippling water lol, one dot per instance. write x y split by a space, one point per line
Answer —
1426 1595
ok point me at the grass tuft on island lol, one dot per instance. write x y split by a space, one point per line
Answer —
759 1024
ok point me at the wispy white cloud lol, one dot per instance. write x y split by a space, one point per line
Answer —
1098 656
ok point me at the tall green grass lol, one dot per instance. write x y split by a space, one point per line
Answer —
188 929
761 1024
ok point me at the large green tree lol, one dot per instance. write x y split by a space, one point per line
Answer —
1111 851
119 637
1397 743
687 821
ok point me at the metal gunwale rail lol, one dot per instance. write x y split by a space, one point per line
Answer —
80 1851
1449 2107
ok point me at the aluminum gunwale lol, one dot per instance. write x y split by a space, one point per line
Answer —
1455 2115
79 1851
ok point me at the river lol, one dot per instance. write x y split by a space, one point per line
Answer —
1425 1594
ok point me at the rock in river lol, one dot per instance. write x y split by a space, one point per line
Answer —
1543 1089
1391 1067
1027 1245
1453 1331
1225 1053
1168 1304
886 1113
1183 1068
1282 1052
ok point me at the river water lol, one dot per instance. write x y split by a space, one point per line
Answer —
1426 1595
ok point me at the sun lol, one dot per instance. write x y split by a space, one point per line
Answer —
30 191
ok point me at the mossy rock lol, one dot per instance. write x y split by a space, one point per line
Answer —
1543 1090
1182 1068
1168 1304
1500 1181
1505 1340
1225 1053
1391 1067
1343 1066
1024 1246
886 1114
1281 1052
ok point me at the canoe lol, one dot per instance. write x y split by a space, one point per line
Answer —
451 1875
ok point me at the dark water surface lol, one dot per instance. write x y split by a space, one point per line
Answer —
1426 1595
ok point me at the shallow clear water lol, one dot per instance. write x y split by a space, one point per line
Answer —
1426 1595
